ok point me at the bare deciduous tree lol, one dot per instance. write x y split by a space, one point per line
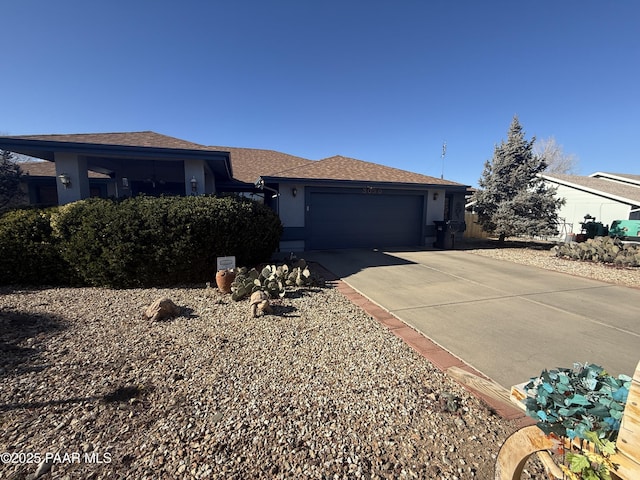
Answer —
553 154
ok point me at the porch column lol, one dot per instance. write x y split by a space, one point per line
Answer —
210 183
72 178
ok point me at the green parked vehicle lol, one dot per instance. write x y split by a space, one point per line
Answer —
625 230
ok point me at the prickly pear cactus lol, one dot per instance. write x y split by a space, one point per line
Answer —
272 279
245 283
601 249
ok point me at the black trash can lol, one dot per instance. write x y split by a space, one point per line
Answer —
442 240
446 233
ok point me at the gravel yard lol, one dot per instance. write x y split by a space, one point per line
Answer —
538 254
317 390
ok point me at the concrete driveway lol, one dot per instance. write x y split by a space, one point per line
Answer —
507 321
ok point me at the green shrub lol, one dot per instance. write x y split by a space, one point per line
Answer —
204 228
146 241
113 244
28 253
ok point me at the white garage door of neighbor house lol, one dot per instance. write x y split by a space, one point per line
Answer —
358 220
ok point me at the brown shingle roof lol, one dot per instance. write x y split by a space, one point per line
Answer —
344 168
130 139
250 163
48 169
608 188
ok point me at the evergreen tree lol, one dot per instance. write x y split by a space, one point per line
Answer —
512 199
10 175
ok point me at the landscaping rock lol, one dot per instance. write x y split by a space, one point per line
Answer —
162 309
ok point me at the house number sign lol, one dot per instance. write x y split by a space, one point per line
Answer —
371 190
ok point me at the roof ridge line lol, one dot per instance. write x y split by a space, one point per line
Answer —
262 150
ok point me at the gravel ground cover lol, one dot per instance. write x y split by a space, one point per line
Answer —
538 254
319 390
91 389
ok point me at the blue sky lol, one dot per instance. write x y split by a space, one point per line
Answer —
382 81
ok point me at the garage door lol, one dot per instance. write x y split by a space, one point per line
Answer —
356 220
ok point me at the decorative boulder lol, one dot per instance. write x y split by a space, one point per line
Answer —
260 304
161 309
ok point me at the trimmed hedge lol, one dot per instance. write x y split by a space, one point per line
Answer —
148 241
28 253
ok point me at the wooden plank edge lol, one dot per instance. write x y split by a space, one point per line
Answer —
518 395
486 387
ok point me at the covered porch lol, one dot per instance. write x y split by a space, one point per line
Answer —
135 163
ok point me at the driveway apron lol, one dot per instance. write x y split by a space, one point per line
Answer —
507 321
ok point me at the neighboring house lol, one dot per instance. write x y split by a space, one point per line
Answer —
605 196
336 202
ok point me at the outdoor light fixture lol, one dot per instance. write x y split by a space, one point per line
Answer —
194 184
65 180
125 182
260 184
435 196
294 191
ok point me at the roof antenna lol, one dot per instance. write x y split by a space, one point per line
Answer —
444 152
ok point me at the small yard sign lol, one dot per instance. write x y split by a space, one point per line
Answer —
226 263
